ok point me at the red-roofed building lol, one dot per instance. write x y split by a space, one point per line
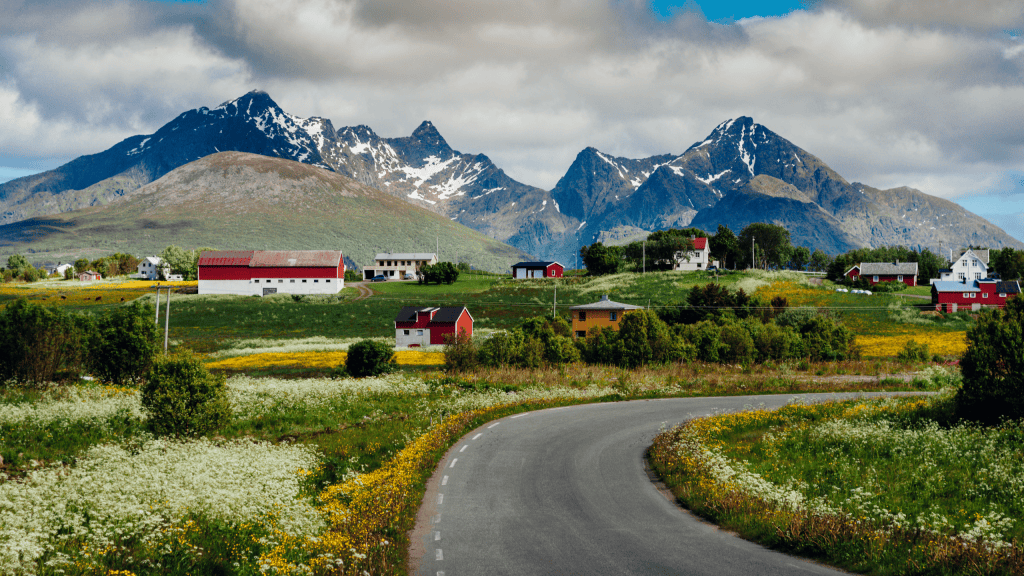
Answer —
423 326
537 270
699 259
262 272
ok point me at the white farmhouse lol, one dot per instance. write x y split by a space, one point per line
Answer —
696 260
972 265
150 267
398 265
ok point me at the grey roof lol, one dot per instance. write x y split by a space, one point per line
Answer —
448 314
605 304
445 314
888 268
405 256
981 253
1008 287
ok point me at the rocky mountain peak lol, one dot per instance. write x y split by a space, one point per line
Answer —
428 135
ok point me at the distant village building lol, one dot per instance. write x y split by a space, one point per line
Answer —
950 296
875 272
523 270
425 326
59 269
604 313
263 272
89 276
398 265
698 259
971 265
150 268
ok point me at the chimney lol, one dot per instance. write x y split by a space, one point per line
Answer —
604 297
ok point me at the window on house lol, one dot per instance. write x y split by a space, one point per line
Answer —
874 278
280 281
611 316
303 280
977 275
1002 294
962 276
899 277
419 332
984 295
316 281
257 281
406 332
583 316
292 280
967 295
581 334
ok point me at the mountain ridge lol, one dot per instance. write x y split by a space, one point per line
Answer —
599 193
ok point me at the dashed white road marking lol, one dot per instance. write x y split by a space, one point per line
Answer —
493 425
478 435
444 481
437 535
519 416
452 465
440 573
437 519
438 554
464 446
440 498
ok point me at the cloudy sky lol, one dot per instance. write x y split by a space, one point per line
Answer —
922 93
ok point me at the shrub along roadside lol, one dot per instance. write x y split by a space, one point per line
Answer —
183 398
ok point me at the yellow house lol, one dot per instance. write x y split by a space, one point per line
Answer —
604 313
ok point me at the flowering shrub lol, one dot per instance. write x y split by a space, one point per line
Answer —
62 517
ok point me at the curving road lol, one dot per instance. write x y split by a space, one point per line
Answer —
565 491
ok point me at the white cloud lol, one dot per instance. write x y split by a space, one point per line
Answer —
886 93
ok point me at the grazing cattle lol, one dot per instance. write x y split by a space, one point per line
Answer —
98 298
63 297
122 299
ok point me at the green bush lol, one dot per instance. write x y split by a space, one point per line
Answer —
351 275
601 346
124 344
460 352
644 339
561 350
40 344
737 345
182 398
501 348
827 339
370 358
993 366
913 352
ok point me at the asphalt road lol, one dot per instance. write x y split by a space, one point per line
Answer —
565 491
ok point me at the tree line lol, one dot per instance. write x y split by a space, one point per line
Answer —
712 325
759 245
178 261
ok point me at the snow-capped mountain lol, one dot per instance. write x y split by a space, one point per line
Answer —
741 173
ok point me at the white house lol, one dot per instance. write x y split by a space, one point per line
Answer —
396 265
696 260
972 265
150 267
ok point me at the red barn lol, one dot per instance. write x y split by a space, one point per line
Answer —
537 270
875 272
262 272
423 326
950 296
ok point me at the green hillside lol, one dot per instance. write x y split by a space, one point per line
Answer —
238 201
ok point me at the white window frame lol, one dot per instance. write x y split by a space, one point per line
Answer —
900 277
967 294
874 278
984 294
611 316
1002 294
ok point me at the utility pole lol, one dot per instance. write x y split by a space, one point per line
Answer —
554 303
156 320
645 257
753 262
167 320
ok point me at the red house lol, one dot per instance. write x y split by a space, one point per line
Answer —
263 272
423 326
875 272
537 270
950 296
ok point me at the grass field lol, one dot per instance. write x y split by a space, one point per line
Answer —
887 486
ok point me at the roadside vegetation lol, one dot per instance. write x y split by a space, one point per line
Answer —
253 448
